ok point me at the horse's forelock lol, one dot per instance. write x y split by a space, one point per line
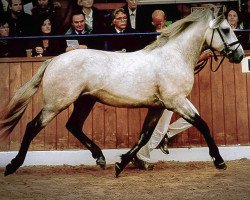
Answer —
179 26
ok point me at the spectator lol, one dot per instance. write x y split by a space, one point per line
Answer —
125 43
93 18
233 19
46 47
46 7
20 23
1 9
78 28
136 19
4 32
159 19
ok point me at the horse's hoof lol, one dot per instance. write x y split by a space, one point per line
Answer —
101 162
219 164
10 169
118 169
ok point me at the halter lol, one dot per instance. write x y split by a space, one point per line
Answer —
226 52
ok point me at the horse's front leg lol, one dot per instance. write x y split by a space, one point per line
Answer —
149 125
186 111
202 126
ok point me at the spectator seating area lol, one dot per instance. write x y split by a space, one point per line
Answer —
50 18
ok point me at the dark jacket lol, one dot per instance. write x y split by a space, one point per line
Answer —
141 24
123 42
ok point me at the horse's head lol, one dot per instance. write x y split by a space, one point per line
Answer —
222 38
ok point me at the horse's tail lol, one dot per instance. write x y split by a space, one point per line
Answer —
11 115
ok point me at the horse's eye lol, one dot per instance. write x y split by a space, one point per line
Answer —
226 30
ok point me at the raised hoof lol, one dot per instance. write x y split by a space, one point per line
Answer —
101 162
118 169
164 145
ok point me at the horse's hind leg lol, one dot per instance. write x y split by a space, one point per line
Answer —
185 110
32 129
82 108
149 125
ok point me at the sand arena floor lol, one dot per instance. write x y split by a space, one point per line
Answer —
169 180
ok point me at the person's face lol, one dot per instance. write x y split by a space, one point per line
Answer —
46 26
16 7
232 18
159 22
120 21
78 22
85 3
4 30
132 4
43 3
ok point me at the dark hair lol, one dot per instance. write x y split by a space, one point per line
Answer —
50 3
10 2
235 10
76 12
3 20
40 22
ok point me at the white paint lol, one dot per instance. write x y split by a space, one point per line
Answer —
83 157
245 64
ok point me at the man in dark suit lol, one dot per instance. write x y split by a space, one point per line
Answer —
77 28
119 25
136 18
93 17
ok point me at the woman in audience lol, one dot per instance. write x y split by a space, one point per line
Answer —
233 19
47 7
4 32
46 47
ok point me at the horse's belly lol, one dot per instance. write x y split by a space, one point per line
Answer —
127 101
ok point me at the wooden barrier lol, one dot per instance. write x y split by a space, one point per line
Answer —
222 98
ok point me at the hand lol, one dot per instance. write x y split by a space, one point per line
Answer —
206 55
39 50
82 47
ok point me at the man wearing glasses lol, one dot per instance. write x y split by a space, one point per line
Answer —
119 25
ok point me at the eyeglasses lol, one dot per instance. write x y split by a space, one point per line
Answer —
121 18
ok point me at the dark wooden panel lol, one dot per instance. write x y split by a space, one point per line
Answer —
241 104
217 107
4 96
62 134
122 127
98 125
134 125
110 127
229 102
248 104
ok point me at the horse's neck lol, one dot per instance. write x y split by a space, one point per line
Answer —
190 42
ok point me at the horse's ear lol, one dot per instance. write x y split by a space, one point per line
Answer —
215 23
